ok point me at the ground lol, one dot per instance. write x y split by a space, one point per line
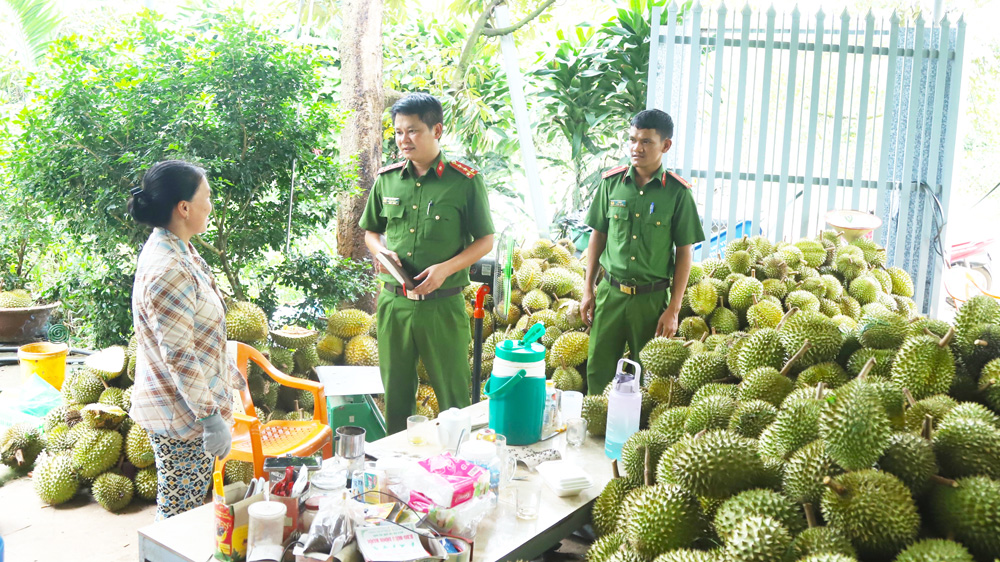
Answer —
35 532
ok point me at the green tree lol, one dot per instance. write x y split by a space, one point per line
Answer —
232 97
27 27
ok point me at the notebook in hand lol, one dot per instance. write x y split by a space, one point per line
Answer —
396 271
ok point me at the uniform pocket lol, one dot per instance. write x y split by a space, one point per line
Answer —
394 222
656 225
441 224
619 222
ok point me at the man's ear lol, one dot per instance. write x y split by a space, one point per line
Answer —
438 131
667 143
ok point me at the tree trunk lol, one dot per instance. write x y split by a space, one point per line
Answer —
362 97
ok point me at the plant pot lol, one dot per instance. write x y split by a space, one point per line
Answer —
18 325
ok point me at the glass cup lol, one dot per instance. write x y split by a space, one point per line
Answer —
417 429
529 497
508 464
576 432
572 404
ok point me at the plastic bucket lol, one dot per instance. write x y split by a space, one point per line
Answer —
45 359
517 406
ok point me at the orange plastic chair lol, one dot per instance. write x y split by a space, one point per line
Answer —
254 441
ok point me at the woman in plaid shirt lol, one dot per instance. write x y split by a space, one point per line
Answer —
184 379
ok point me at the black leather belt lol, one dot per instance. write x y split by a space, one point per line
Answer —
438 294
637 289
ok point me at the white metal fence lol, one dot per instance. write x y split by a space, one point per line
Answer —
780 118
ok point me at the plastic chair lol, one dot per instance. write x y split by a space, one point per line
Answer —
254 441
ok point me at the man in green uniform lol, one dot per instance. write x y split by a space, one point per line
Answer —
435 216
640 214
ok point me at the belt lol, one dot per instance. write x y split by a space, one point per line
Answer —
438 294
637 289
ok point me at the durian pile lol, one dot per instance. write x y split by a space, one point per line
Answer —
348 340
18 298
89 441
806 413
546 287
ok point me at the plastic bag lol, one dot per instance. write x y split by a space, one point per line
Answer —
28 403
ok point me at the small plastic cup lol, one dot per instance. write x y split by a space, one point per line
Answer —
417 429
529 497
572 404
576 432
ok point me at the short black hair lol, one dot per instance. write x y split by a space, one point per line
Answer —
654 119
426 107
164 185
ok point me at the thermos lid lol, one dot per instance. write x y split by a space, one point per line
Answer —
526 350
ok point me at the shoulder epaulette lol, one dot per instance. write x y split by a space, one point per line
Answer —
613 172
391 167
464 168
680 180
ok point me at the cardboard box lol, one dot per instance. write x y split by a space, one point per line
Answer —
232 522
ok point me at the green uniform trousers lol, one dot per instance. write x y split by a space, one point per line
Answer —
436 331
619 319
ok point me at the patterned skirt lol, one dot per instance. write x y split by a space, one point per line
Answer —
184 471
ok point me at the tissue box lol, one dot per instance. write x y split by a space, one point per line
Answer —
445 481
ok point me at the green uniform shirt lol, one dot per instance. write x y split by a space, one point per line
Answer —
643 223
429 219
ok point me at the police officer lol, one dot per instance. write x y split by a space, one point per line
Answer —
642 215
435 216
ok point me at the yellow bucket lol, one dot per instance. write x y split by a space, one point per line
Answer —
45 359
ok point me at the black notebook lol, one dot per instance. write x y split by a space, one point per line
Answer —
396 271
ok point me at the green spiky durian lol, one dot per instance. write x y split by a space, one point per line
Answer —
935 550
661 518
911 458
703 298
711 412
762 348
751 417
757 539
245 322
138 447
54 479
667 391
767 384
361 351
717 464
855 426
882 331
874 509
724 321
797 425
693 328
804 473
967 447
595 411
20 445
823 334
634 454
924 365
570 349
702 369
113 491
970 513
760 503
822 541
873 253
567 378
146 483
902 284
743 291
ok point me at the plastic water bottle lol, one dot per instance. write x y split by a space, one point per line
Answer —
624 409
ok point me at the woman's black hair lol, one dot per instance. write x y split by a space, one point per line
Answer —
165 185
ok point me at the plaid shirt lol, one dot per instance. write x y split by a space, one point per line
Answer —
183 373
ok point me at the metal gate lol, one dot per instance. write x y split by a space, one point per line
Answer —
780 118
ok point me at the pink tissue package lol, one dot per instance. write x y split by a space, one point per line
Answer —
446 482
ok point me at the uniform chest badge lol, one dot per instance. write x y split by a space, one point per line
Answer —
618 203
390 200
